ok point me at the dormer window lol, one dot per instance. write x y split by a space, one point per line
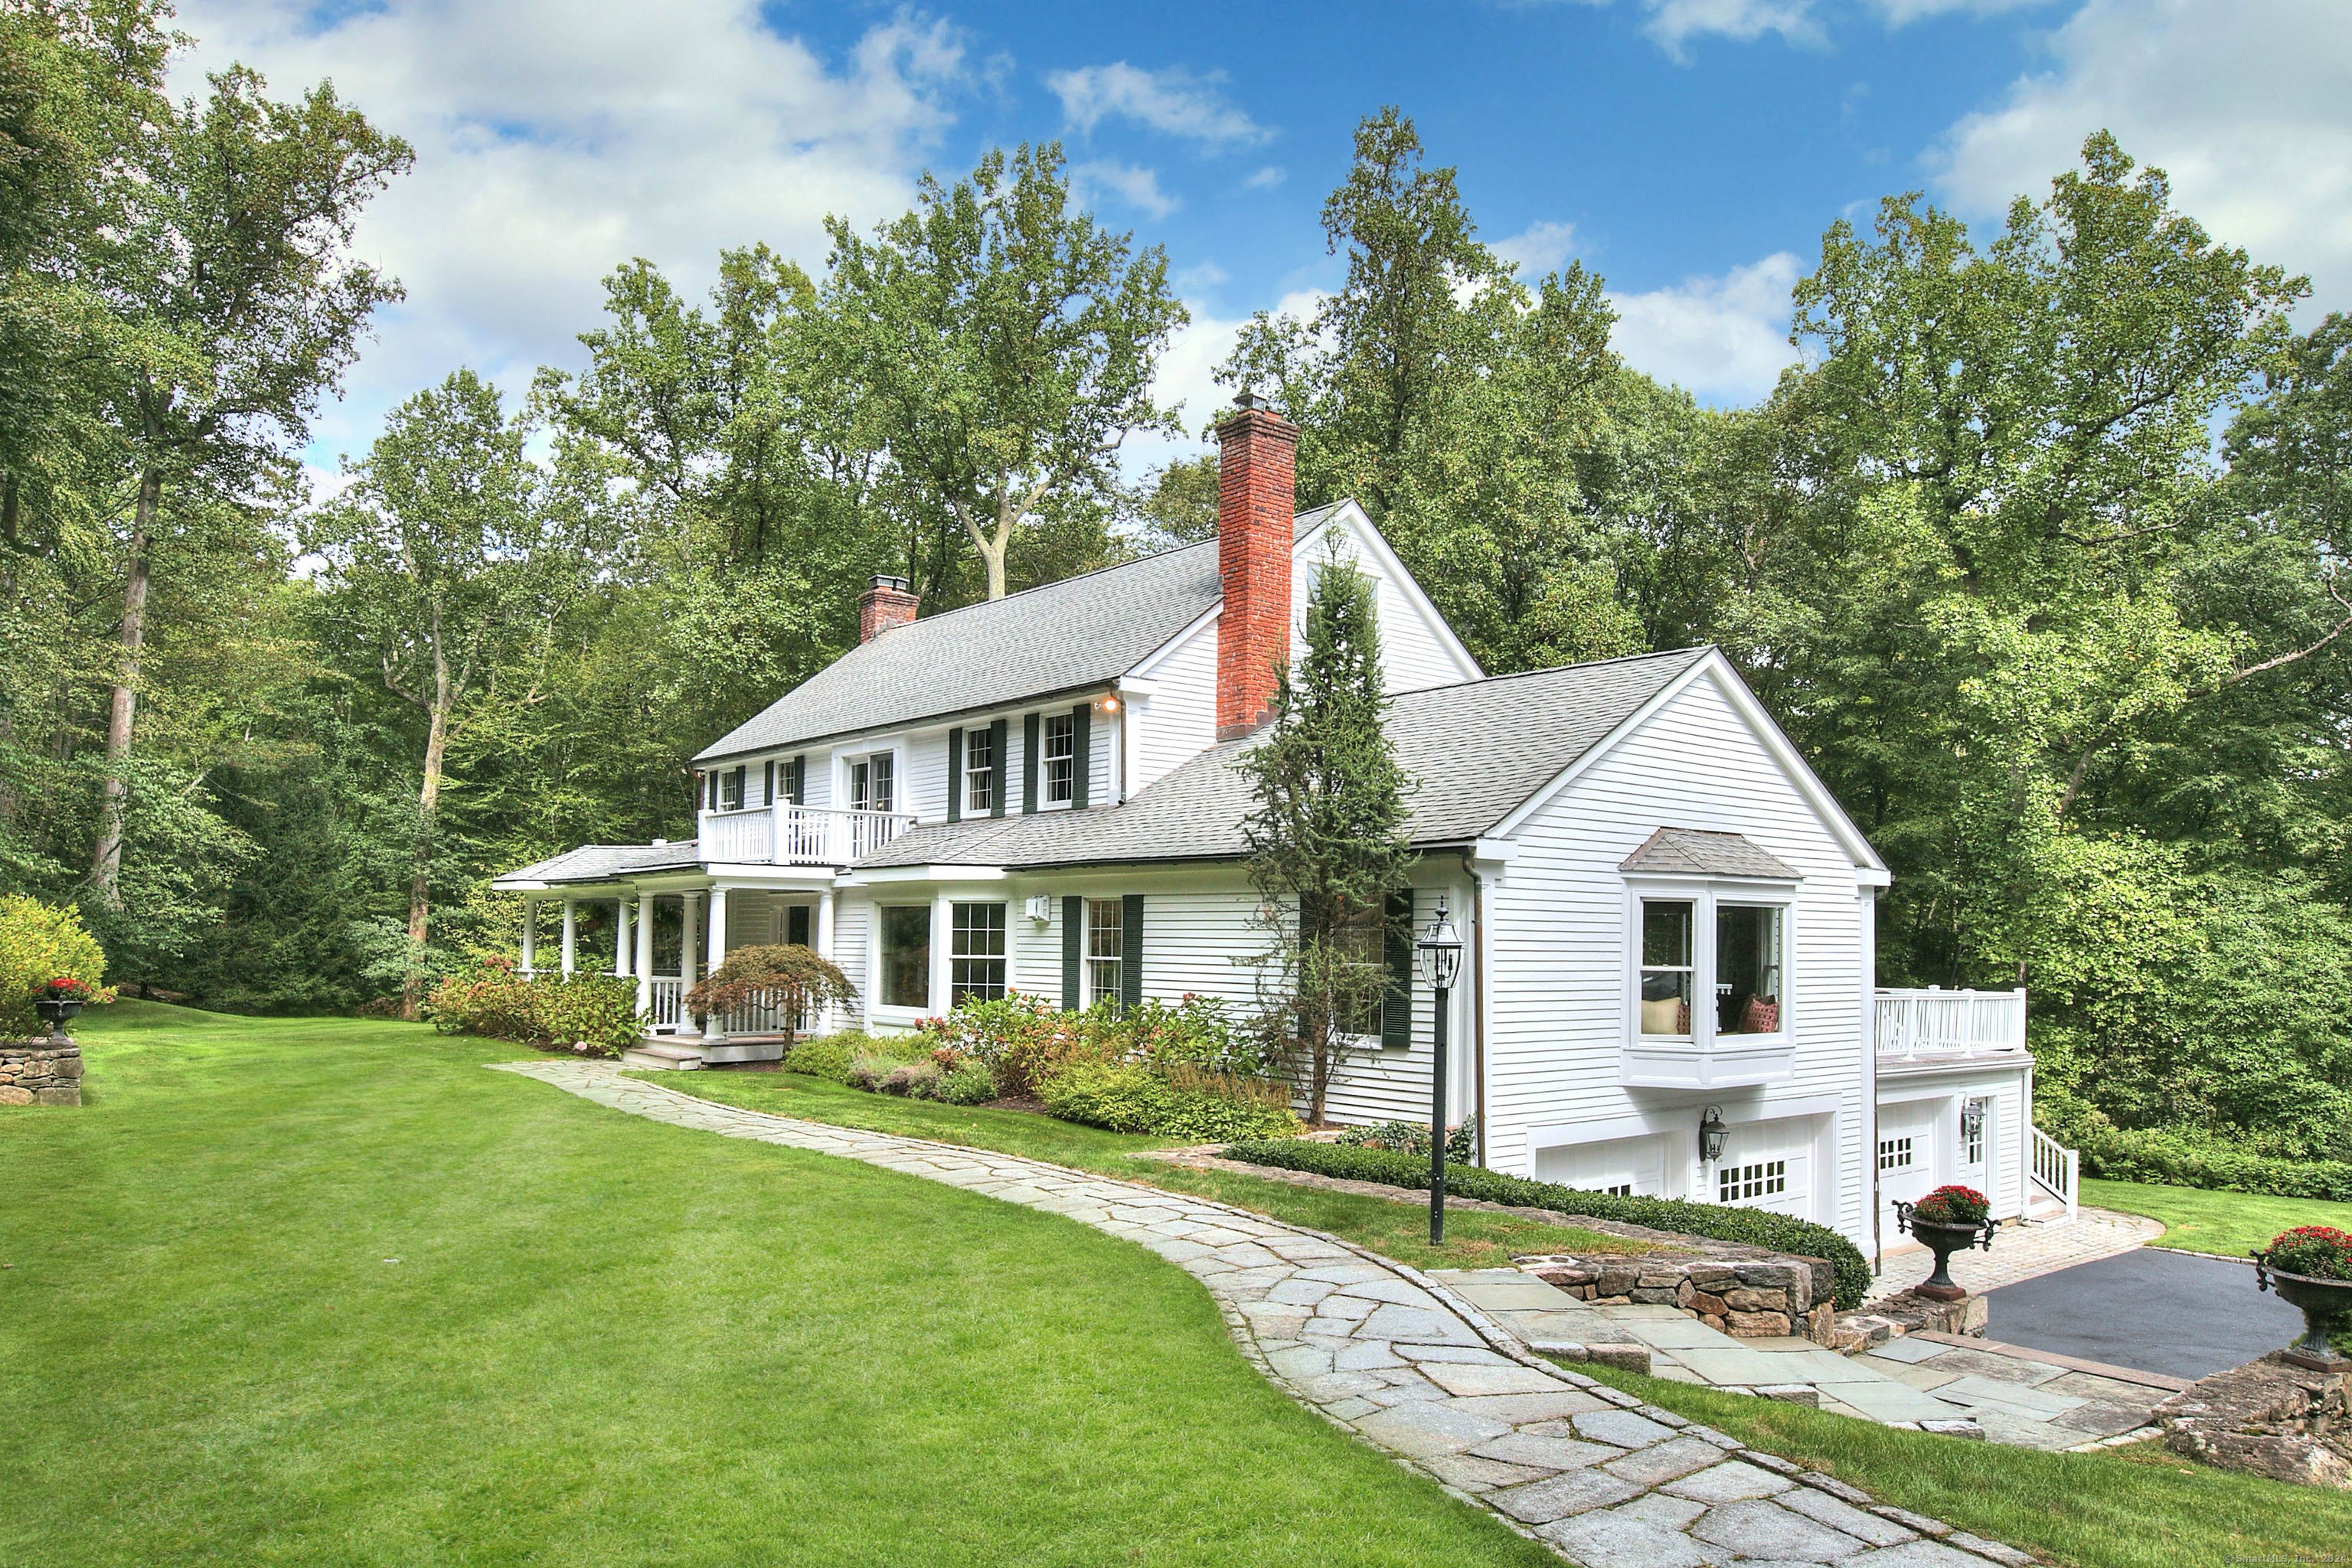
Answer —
980 771
1061 758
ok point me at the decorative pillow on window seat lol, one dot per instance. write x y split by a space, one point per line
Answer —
1761 1017
1666 1016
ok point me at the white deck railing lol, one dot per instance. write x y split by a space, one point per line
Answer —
786 835
1937 1022
762 1013
2058 1171
666 1007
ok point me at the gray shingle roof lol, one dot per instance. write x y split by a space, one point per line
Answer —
603 862
1701 852
1079 632
1479 748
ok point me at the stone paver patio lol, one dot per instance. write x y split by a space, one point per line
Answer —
2018 1252
1410 1366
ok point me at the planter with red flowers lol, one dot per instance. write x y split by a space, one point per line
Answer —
2310 1267
63 998
1947 1220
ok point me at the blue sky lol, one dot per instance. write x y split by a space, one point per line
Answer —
1689 151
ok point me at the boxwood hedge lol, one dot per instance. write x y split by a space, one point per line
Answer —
1718 1222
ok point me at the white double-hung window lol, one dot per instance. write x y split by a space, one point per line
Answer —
1059 753
980 771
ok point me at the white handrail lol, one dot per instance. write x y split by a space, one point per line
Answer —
2058 1171
1914 1023
738 837
832 836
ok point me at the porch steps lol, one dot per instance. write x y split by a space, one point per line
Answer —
660 1055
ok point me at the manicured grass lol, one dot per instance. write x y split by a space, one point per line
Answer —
2230 1224
2137 1507
1394 1228
604 1341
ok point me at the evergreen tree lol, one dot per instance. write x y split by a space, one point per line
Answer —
1326 832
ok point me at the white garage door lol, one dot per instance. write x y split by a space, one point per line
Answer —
1768 1165
1906 1153
1629 1165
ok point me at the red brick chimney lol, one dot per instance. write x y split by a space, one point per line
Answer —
1258 494
885 604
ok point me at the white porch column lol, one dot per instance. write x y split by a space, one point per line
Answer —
690 955
714 1027
530 936
823 937
645 954
571 936
621 950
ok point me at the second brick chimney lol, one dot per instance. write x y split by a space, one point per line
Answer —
885 604
1257 495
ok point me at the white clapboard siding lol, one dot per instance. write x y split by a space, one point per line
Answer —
1179 719
852 926
1559 936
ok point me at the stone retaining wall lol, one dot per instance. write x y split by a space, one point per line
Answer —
1767 1297
40 1072
2268 1417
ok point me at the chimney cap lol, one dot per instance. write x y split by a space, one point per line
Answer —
883 580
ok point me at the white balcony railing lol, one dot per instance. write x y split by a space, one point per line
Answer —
1936 1022
786 835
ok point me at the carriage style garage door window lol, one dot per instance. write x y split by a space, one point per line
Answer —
1768 1165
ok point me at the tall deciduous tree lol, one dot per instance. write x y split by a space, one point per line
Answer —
439 557
1326 829
1005 344
235 304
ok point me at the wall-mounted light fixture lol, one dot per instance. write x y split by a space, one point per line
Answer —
1110 704
1972 1121
1711 1134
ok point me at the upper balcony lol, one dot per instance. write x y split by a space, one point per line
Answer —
1939 1026
788 834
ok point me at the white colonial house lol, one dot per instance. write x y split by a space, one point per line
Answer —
1668 917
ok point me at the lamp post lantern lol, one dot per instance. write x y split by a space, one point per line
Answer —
1439 949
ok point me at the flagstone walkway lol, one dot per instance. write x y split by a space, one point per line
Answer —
1412 1368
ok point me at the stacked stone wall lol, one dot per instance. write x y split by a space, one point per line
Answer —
40 1072
1751 1297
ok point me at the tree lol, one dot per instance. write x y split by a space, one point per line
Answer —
1005 344
235 305
439 557
1326 831
1456 403
1178 505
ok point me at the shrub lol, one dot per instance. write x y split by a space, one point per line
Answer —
493 998
795 980
828 1057
1021 1038
591 1015
869 1071
1195 1031
1413 1138
1129 1098
2179 1159
39 944
1754 1228
1952 1205
915 1080
968 1083
2318 1251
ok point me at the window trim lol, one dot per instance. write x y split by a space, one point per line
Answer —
1045 759
845 792
1706 896
1002 958
966 772
1088 990
881 951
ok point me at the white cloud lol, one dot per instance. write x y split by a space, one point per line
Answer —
1539 248
1726 339
1673 21
1173 100
2244 105
1136 186
1899 13
1187 375
555 141
1266 179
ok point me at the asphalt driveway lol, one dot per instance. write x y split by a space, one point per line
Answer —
2151 1310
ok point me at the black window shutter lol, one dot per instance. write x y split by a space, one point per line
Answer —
955 776
1130 950
1082 753
1073 937
1396 947
997 732
768 783
1028 763
796 781
742 774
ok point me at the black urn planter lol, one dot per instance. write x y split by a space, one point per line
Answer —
2319 1300
54 1012
1944 1239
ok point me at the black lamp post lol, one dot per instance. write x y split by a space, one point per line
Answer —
1440 950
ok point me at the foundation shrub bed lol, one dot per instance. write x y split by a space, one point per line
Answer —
1716 1222
1413 1138
1197 1107
588 1015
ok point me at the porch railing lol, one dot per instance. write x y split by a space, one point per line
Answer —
2058 1171
667 1009
761 1013
1937 1022
786 835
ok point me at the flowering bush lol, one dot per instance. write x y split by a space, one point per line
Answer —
40 946
1952 1205
2317 1251
1023 1039
589 1014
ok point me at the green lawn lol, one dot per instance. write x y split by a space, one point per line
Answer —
2139 1507
604 1341
1397 1228
2231 1223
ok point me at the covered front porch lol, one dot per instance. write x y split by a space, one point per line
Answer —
667 932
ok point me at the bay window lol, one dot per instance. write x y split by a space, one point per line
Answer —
1707 969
